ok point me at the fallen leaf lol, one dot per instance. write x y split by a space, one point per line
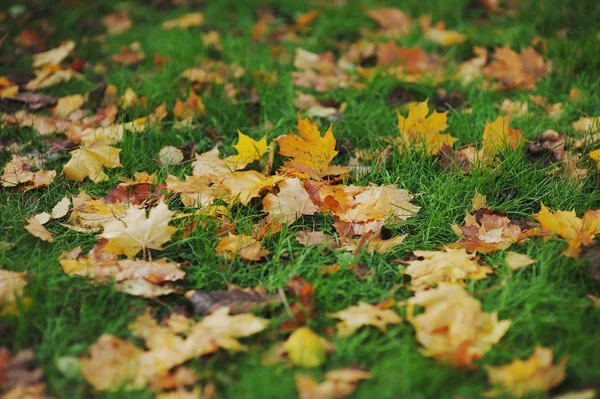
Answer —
364 314
117 22
310 148
454 328
169 155
448 266
243 246
249 150
511 70
89 215
191 107
577 231
471 70
289 204
516 260
33 101
35 228
89 161
129 55
68 104
312 238
549 146
12 285
135 232
306 349
423 132
522 377
248 184
185 21
393 22
238 300
54 56
51 75
20 375
338 384
498 135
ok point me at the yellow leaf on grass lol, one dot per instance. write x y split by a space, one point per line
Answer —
243 246
305 348
577 231
68 104
35 228
523 377
454 328
515 260
445 37
185 21
290 203
249 150
595 155
16 172
424 132
134 232
448 266
54 56
89 160
11 286
364 314
498 135
338 384
247 184
309 149
191 107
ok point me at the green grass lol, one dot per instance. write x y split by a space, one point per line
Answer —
546 301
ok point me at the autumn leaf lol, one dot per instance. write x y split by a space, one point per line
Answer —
238 300
393 22
89 214
21 377
249 150
364 314
424 132
289 204
117 22
512 70
338 384
498 135
243 246
516 260
306 349
196 191
448 266
248 184
310 148
36 229
577 231
192 107
185 21
68 104
89 161
12 285
17 172
134 232
54 56
454 328
522 377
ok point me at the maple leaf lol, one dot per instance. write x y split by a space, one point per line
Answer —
513 70
129 55
522 377
338 384
577 231
51 75
117 22
238 300
170 155
196 191
394 23
422 131
17 172
211 165
516 260
448 266
192 107
89 160
310 148
364 314
305 348
12 285
134 232
249 150
65 106
243 246
36 229
248 184
498 135
289 204
54 56
89 215
185 21
453 327
471 70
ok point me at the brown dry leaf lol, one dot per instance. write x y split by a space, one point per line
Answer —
364 314
459 160
338 384
549 147
577 231
372 242
319 72
454 328
89 215
511 70
33 101
185 21
393 22
20 376
51 75
314 108
68 104
192 107
54 56
448 266
587 124
170 155
35 228
523 377
423 132
117 22
11 287
575 95
129 55
471 70
196 191
305 348
498 135
89 161
243 246
312 238
289 204
517 109
135 232
310 148
17 172
238 300
515 260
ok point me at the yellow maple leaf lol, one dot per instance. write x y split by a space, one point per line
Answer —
89 160
364 314
338 384
305 348
595 155
498 135
290 203
577 231
522 377
11 286
423 132
68 104
36 229
134 232
249 150
243 246
54 56
192 106
247 184
309 149
453 327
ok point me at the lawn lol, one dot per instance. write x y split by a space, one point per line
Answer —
253 87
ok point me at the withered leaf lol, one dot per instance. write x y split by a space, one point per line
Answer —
237 299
